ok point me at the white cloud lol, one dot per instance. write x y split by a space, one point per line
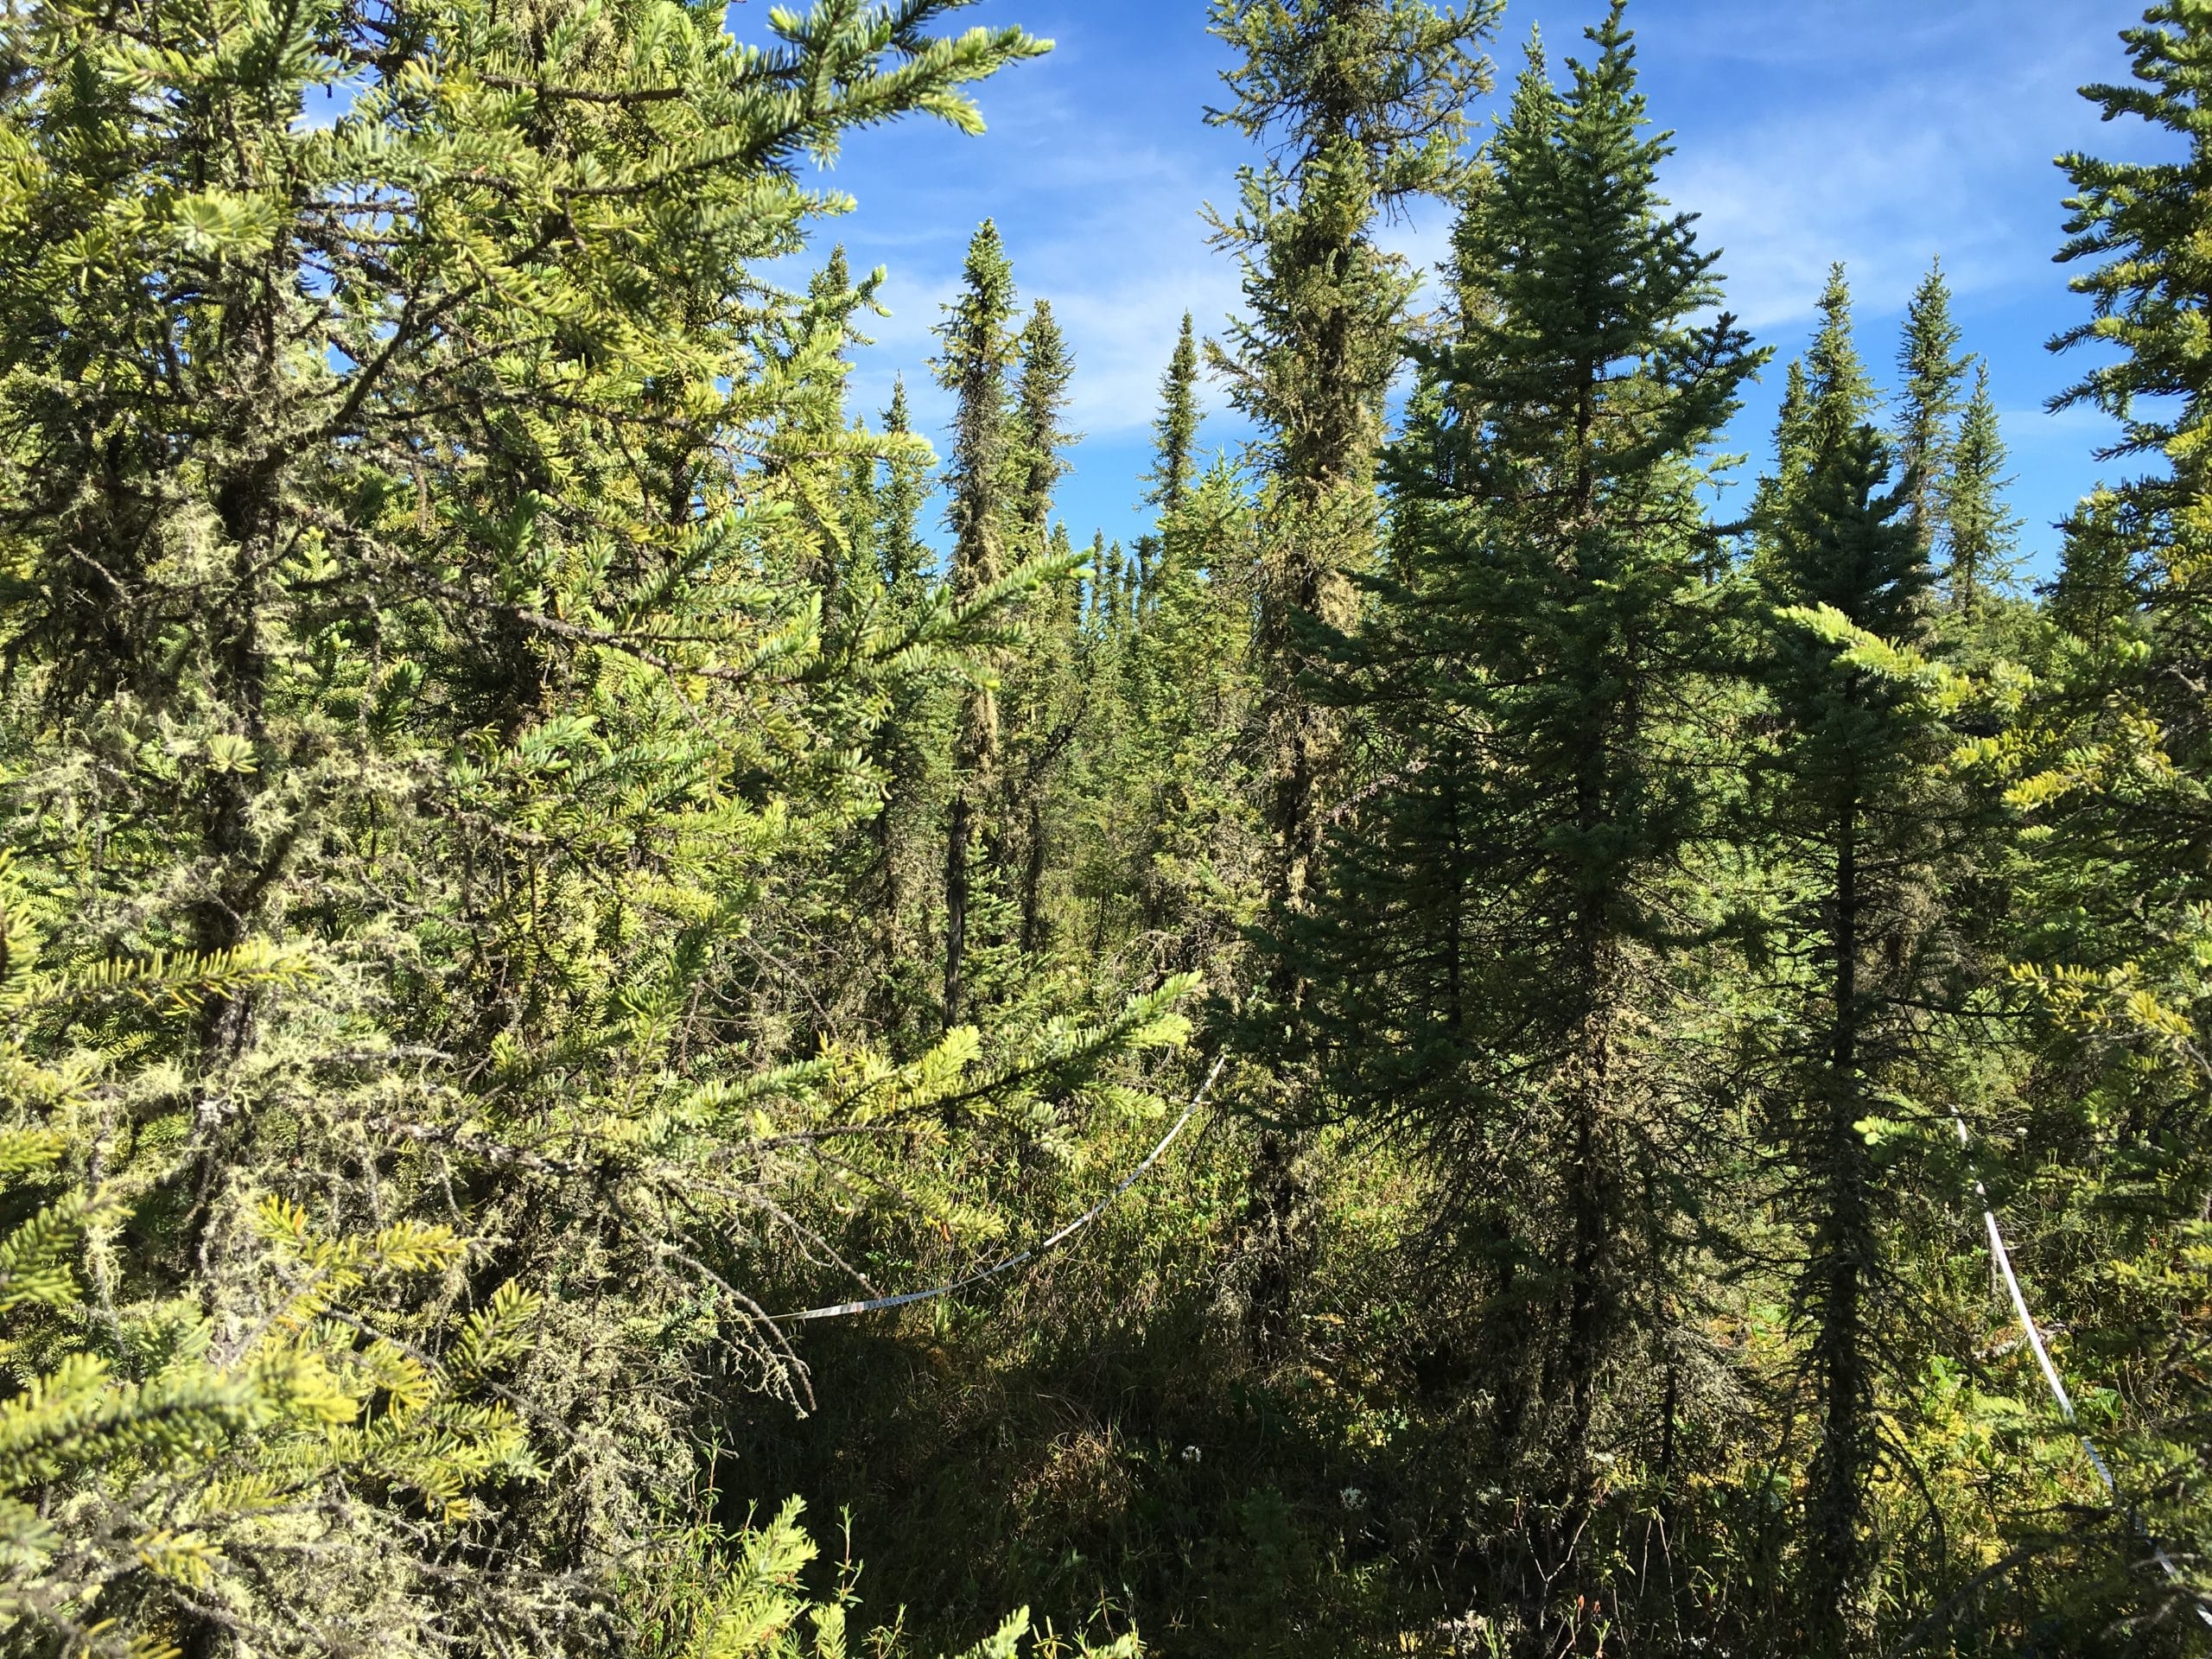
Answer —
1884 147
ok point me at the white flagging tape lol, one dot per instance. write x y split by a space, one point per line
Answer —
2003 1257
846 1310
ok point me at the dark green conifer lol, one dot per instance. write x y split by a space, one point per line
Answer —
1828 397
905 556
1362 107
2151 283
1853 803
977 351
1043 691
2116 777
1488 942
1839 394
1176 431
1038 443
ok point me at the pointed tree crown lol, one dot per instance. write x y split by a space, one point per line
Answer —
1389 79
1040 439
1931 373
1176 431
1983 533
904 556
975 352
1591 352
1839 393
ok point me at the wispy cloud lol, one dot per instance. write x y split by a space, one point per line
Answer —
1880 137
1878 132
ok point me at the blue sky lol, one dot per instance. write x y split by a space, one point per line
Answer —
1880 132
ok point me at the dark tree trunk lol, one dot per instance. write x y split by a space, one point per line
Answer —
1842 1250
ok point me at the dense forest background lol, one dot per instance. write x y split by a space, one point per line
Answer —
1500 1062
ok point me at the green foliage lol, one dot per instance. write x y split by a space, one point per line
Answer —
2138 219
522 866
443 659
1176 431
1981 533
1929 401
1488 960
1857 810
747 1599
1363 107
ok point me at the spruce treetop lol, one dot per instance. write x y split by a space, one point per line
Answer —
1828 397
905 556
1573 211
1847 546
1932 374
1176 430
1839 393
973 334
1391 78
976 348
1041 401
1361 104
1982 532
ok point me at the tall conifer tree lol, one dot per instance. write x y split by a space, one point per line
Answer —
1839 394
899 499
2123 798
1175 433
1855 804
381 390
1483 955
1363 103
1362 107
977 351
1038 443
1928 403
1980 532
1044 691
909 747
1829 395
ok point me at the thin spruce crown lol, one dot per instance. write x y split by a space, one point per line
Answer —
1570 206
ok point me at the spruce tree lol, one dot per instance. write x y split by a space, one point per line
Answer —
2116 772
1489 935
1176 432
1828 397
905 556
1175 436
1854 799
1770 503
1039 443
1980 532
1039 717
1363 105
977 350
1839 394
2150 290
396 1004
1928 404
910 749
